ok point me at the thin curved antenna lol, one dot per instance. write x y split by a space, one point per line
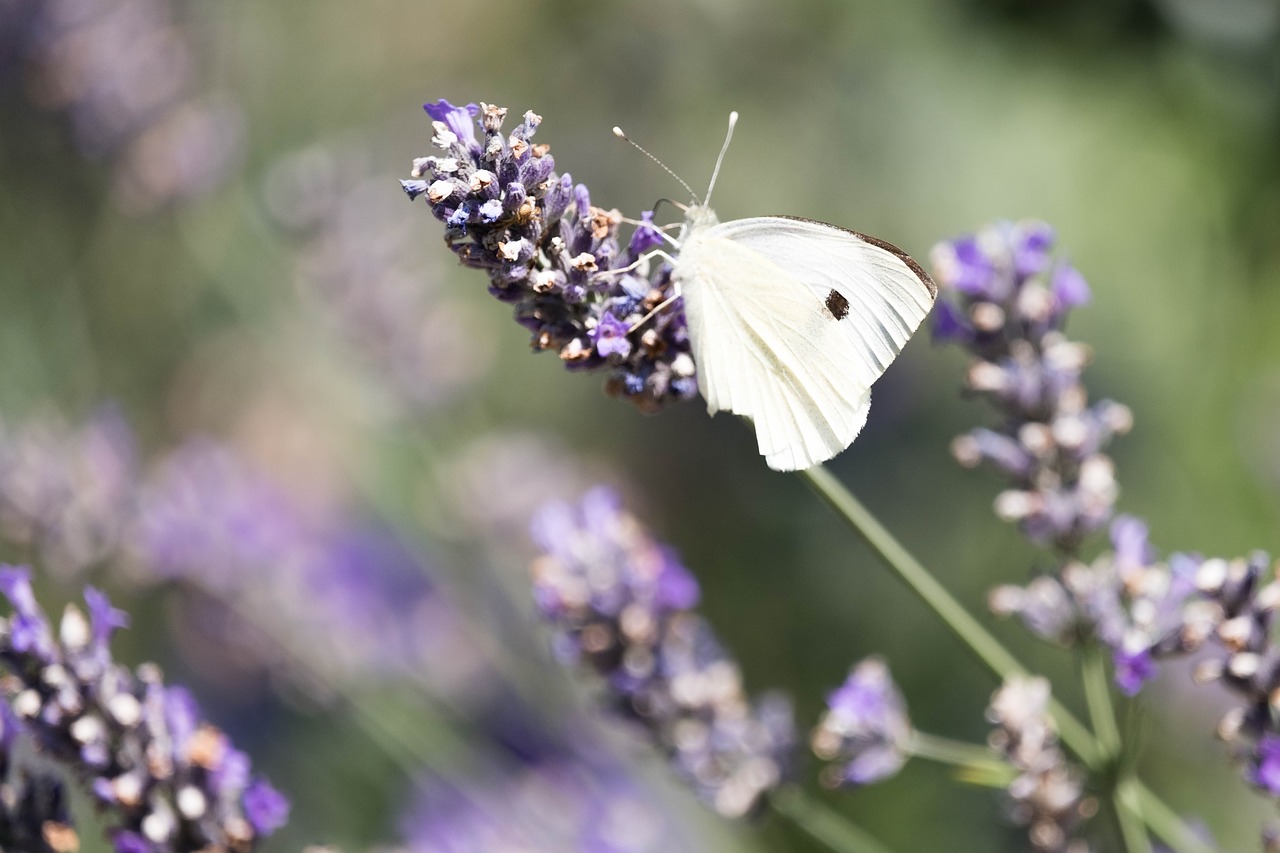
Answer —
733 120
617 131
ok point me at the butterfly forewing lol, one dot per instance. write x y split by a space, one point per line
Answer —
887 294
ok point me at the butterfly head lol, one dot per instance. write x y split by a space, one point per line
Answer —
698 217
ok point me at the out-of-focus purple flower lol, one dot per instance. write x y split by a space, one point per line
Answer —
1069 287
357 592
67 492
1266 770
1047 795
111 727
265 807
555 255
618 601
1126 599
366 271
1010 305
949 325
1133 669
123 72
548 807
865 733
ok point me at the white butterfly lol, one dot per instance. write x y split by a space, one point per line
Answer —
791 321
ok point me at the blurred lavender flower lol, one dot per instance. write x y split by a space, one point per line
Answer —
1240 598
1047 795
1010 305
865 730
554 255
361 263
360 596
170 781
67 493
542 808
1140 608
124 73
621 603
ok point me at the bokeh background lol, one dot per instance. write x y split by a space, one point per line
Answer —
203 246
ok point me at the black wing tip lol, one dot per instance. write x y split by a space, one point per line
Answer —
911 262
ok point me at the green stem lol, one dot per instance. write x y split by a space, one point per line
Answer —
1097 694
1164 822
822 824
947 751
976 638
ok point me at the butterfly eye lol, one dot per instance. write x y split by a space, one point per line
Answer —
837 305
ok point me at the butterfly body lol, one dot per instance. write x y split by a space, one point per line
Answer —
791 321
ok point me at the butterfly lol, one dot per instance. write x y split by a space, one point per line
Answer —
791 321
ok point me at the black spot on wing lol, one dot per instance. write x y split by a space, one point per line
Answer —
882 244
837 305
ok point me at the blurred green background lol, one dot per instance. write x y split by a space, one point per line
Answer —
1145 131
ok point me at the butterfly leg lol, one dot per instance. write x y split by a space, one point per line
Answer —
643 259
675 294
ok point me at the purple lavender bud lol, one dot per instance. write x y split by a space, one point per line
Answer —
645 237
1266 769
1133 669
131 842
610 336
265 807
1032 242
459 120
582 201
414 188
963 265
677 587
103 618
949 325
29 631
1129 539
865 732
1069 287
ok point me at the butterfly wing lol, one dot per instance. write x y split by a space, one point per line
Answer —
883 293
773 346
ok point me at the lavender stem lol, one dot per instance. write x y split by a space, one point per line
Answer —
1097 693
822 824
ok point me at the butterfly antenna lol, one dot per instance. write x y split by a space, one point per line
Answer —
733 120
617 131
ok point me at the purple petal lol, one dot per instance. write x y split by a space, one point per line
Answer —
265 807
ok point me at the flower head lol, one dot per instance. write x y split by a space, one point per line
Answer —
137 745
620 603
865 731
548 250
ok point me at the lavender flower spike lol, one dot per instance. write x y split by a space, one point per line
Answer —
1047 795
172 782
621 604
865 730
552 254
1011 302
